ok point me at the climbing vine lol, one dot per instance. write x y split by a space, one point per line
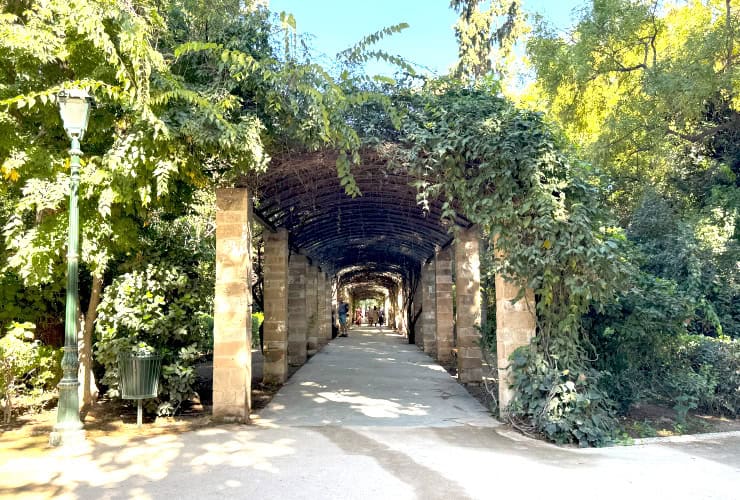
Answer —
508 172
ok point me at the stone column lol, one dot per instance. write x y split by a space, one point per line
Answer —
401 318
443 298
392 307
275 327
387 309
297 323
419 306
232 308
516 325
321 322
429 308
416 308
312 310
468 297
335 305
329 299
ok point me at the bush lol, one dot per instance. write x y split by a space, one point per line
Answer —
565 406
645 352
636 338
713 366
257 319
26 365
162 309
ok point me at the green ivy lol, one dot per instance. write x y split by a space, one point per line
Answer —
507 171
565 406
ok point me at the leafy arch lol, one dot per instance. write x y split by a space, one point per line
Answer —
509 172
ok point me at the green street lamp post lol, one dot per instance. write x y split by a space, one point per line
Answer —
74 107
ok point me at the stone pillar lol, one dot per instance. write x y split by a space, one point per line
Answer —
416 308
297 324
275 327
312 310
516 325
232 309
419 326
335 295
443 298
321 323
468 298
329 303
392 307
429 308
387 309
401 318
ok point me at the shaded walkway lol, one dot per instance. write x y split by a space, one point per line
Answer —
370 417
373 378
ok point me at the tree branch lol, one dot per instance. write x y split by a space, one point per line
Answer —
704 133
730 36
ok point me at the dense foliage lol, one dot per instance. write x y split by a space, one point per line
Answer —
164 304
647 90
155 309
504 169
26 365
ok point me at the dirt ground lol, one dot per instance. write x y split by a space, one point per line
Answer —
30 431
650 420
643 420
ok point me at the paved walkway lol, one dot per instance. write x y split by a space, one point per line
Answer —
372 417
374 378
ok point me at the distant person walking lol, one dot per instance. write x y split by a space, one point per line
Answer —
373 319
343 319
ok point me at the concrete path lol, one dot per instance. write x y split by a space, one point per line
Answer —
374 378
372 417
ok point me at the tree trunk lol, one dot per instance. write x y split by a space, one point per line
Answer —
88 387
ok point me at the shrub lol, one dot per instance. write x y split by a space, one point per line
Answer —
257 319
714 367
645 352
26 365
565 406
636 337
162 309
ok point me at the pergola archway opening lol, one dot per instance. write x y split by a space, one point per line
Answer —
321 244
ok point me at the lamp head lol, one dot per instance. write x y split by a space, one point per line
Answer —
74 108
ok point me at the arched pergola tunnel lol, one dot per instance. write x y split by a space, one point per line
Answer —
385 288
318 243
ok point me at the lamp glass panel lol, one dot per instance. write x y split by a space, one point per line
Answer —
74 111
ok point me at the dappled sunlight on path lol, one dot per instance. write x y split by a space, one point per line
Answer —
373 378
368 417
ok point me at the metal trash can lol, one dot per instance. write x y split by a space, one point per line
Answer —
139 378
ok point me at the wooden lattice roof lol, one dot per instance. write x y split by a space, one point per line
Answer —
383 231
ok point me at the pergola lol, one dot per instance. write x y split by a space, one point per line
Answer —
384 229
320 244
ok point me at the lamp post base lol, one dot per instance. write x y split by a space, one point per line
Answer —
67 435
